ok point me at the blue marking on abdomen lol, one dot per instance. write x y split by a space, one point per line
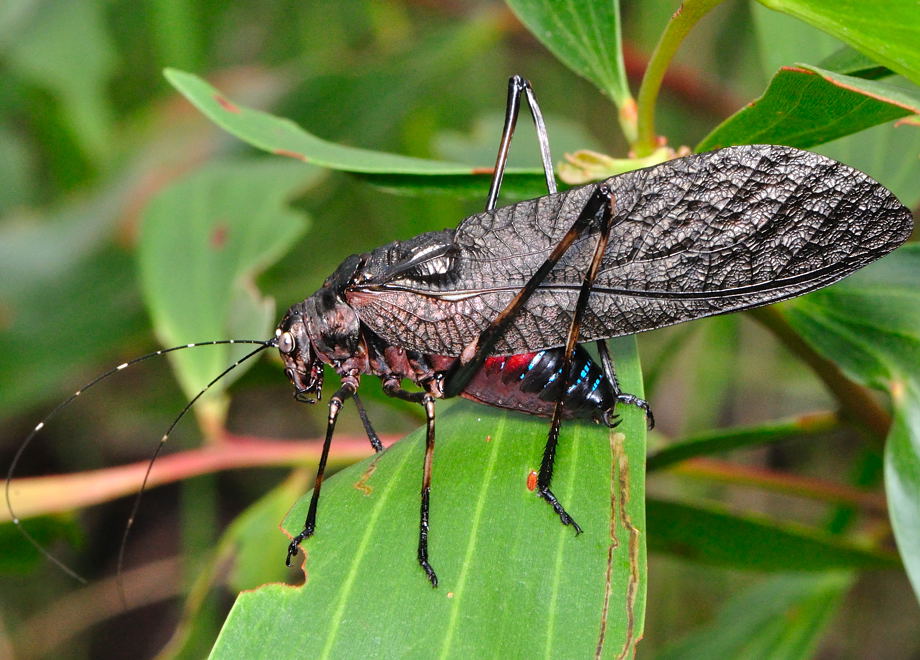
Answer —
534 362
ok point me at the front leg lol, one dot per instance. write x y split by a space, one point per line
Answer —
348 388
392 388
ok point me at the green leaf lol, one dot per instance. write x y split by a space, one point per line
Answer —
804 106
497 548
713 535
902 479
203 240
885 30
782 618
393 172
584 35
284 137
722 440
853 63
870 325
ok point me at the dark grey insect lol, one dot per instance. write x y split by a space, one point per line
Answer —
494 310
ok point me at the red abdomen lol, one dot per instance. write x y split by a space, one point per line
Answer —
530 383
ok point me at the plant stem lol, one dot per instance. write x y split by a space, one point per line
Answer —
35 496
816 489
677 28
856 402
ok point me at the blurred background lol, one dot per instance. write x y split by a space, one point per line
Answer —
90 132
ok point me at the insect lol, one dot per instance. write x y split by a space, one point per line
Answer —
496 309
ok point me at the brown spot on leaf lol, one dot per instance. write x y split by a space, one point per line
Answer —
219 236
482 170
226 105
361 483
292 154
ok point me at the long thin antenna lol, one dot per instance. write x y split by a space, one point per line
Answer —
140 493
66 402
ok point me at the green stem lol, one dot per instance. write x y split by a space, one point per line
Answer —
856 402
680 24
737 438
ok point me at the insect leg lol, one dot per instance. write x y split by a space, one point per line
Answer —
335 405
392 388
621 397
545 476
426 492
371 433
475 354
516 85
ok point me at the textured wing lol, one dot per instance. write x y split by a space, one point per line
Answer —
702 235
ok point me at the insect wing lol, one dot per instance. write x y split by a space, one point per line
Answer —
707 234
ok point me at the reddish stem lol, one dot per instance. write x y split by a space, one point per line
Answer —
34 496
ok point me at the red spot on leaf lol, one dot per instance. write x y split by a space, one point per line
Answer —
488 438
226 105
531 480
219 236
292 154
482 170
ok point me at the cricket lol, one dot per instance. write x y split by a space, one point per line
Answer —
496 310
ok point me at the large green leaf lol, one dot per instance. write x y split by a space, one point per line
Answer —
284 137
203 240
713 535
511 577
870 325
583 34
805 105
885 30
781 618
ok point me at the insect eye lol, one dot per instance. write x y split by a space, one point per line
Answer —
286 343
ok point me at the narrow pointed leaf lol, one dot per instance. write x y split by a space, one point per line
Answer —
714 535
285 138
805 105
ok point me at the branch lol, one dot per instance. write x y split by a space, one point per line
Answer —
677 28
816 489
856 402
35 496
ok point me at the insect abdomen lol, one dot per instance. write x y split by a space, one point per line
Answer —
530 382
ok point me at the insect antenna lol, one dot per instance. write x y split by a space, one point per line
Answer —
263 344
140 493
